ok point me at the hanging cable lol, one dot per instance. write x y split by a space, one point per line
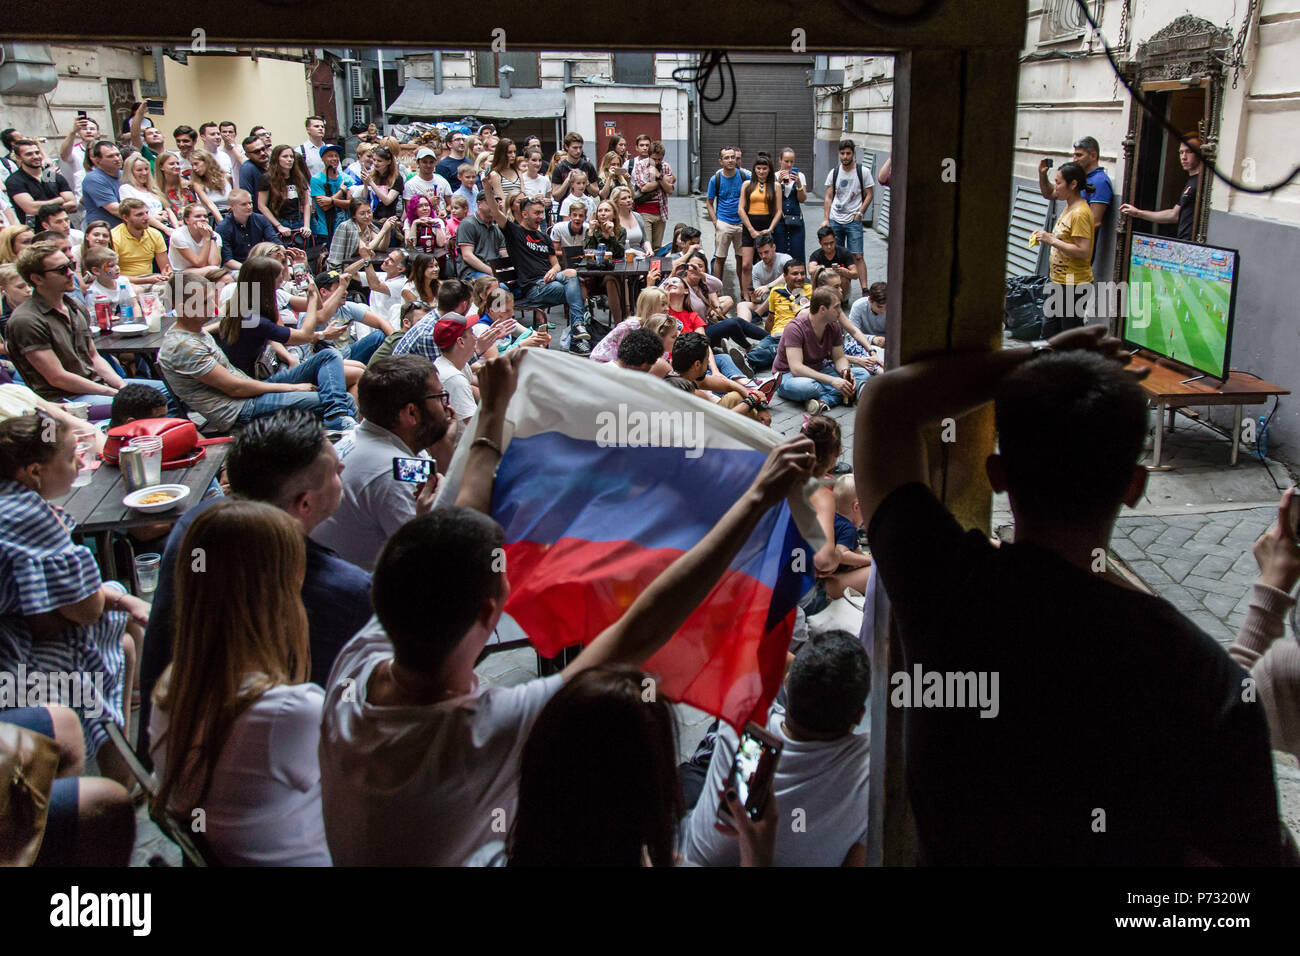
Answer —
1140 100
699 75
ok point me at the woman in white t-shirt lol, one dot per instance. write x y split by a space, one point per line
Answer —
138 183
535 184
195 245
236 700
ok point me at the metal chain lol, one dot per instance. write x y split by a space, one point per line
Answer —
1123 27
1239 44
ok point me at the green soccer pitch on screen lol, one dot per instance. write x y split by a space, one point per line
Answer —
1181 301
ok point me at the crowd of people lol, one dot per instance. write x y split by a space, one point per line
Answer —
338 318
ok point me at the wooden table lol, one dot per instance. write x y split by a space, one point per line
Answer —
149 342
98 509
1169 388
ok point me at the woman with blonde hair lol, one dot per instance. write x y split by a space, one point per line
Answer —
13 240
612 174
236 722
602 230
638 236
138 183
211 183
651 309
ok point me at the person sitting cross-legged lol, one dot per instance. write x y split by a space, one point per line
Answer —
210 384
415 754
823 767
691 373
784 302
539 278
810 358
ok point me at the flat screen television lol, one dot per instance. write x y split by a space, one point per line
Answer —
1181 300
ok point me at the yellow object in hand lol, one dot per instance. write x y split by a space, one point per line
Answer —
1033 240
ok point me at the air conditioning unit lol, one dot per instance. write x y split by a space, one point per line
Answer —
359 79
825 77
361 114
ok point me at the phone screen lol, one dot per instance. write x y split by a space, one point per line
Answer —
754 762
415 470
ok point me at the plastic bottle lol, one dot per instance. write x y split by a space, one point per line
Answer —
125 309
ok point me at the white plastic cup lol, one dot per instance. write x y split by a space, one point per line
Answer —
152 446
86 459
146 572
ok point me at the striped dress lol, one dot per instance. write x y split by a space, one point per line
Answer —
42 570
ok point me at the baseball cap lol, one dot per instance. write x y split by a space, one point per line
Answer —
424 151
331 148
482 195
328 277
447 331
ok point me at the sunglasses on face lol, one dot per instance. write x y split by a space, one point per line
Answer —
63 270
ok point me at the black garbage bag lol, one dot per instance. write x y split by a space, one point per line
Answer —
1024 306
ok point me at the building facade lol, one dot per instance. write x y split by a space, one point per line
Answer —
1224 70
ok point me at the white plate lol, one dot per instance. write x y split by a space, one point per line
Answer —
131 328
179 493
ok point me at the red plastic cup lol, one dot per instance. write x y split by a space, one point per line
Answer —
104 315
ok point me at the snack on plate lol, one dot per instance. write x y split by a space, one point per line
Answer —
157 498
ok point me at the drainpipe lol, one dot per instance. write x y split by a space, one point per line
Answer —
437 72
503 82
383 98
693 130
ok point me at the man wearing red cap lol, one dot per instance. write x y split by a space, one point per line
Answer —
453 336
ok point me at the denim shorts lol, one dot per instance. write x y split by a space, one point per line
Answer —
848 235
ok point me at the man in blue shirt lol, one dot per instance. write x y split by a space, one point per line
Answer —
257 162
99 195
723 203
330 202
243 229
1086 153
284 460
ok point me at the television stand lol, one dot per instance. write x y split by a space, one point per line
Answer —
1165 386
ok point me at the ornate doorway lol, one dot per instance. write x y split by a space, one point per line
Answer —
1180 71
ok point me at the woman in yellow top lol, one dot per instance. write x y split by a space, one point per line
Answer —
760 211
1070 290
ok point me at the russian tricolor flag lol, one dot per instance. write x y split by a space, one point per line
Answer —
610 475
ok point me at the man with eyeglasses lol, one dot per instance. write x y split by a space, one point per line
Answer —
50 340
256 163
406 414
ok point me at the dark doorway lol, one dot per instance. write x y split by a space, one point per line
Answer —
1160 177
